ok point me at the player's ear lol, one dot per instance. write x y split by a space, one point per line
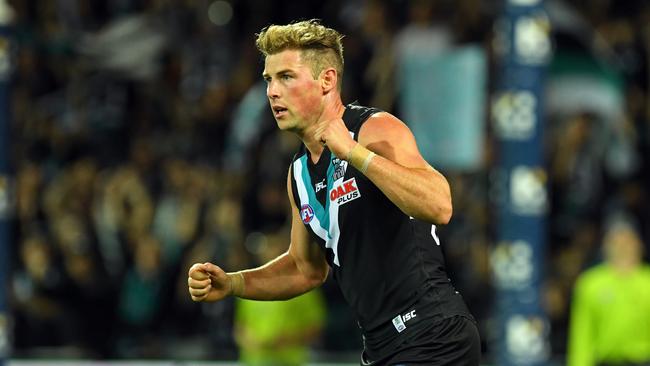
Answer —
329 79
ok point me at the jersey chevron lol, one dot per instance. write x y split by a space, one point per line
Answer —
325 220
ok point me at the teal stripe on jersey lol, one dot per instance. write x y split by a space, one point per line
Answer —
330 183
325 223
319 211
304 199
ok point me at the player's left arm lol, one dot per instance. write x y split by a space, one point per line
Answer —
398 169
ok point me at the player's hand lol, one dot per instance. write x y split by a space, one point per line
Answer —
207 282
336 136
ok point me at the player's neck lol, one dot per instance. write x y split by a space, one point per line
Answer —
314 147
625 265
333 109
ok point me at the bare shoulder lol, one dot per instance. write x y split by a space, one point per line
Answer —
383 126
391 138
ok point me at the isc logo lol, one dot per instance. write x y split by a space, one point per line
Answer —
408 316
399 322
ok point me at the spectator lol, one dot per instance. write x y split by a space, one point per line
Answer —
277 333
610 315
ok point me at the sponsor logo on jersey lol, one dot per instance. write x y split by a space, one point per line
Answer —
345 192
408 316
399 322
306 213
320 185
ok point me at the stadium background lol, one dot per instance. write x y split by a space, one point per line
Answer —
137 140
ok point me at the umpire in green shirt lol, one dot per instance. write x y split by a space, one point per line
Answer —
610 313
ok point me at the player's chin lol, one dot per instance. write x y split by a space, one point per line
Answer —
284 123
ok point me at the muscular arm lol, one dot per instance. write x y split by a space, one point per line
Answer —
401 173
300 269
398 169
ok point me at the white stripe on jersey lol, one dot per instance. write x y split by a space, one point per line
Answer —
433 233
334 217
315 224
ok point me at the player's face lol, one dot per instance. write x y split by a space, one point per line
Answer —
294 95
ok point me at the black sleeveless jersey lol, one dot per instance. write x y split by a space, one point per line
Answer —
388 265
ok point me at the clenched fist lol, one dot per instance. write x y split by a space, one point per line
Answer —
336 136
208 282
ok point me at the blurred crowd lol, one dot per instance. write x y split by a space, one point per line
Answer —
141 142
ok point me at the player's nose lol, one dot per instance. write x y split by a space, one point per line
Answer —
272 91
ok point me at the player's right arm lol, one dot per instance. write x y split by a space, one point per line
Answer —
301 268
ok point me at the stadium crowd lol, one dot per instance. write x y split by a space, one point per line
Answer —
140 144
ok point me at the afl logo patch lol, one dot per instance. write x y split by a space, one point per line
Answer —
306 213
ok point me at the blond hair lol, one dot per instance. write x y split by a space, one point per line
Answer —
320 46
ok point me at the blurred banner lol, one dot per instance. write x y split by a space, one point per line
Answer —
5 181
443 98
523 49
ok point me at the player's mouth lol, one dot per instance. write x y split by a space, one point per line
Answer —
279 111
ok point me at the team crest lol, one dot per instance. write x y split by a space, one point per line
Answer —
306 213
339 170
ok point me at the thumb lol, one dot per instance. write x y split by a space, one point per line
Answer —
212 269
197 272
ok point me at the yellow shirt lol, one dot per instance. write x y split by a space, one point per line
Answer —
610 317
264 322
